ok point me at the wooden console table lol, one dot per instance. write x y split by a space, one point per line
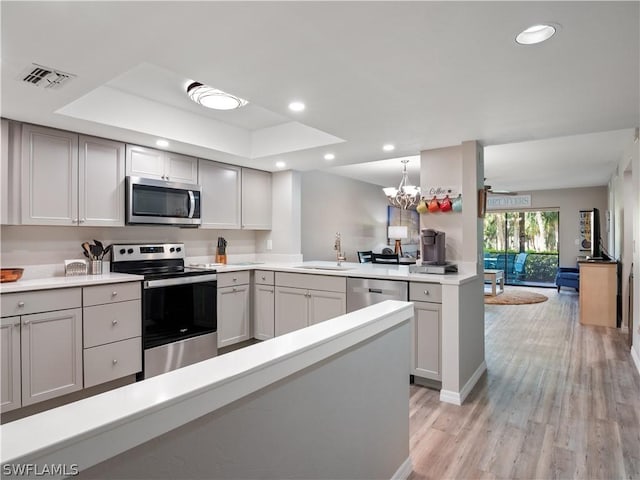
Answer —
598 290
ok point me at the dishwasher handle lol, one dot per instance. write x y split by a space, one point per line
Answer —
375 290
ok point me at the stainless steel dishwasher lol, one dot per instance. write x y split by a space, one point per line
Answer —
362 292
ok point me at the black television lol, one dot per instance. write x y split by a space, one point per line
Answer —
597 253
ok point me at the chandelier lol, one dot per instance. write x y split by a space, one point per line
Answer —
405 196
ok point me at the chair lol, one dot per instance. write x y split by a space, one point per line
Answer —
518 264
364 256
385 258
568 277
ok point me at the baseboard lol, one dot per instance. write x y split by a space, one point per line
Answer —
457 398
636 358
404 470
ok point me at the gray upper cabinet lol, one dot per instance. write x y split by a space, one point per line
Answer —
69 179
101 182
256 199
158 164
220 194
49 176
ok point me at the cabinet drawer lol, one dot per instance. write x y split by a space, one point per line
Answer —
41 301
230 279
110 293
111 322
425 292
264 278
313 282
115 360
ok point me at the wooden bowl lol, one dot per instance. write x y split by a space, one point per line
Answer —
11 274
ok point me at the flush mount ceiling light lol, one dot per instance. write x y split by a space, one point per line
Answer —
162 143
296 106
213 98
405 195
536 34
388 147
280 164
329 156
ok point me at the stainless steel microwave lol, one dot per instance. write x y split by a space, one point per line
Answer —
150 201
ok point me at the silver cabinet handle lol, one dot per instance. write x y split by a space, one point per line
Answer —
270 291
235 279
20 304
17 324
234 289
426 292
114 361
114 293
114 322
74 220
82 220
263 277
27 322
167 178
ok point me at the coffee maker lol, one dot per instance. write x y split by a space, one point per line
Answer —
433 254
433 247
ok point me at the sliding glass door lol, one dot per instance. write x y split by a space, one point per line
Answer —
523 244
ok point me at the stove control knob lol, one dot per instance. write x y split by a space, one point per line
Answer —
172 249
178 249
122 251
130 251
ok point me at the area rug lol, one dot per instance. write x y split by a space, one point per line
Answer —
515 297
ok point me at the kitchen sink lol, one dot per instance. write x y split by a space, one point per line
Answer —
323 267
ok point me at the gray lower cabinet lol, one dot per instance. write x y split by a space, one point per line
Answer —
10 393
233 308
426 349
263 305
51 354
302 300
112 317
52 345
42 334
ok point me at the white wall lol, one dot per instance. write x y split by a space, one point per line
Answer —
569 202
31 245
331 204
461 167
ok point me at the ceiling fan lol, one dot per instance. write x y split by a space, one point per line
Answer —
488 189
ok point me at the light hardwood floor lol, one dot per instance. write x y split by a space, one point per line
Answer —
559 400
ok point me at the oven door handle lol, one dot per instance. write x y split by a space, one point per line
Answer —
169 282
192 204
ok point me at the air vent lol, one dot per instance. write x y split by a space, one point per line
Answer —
45 76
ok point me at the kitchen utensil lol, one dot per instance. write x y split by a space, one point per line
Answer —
99 248
11 274
106 251
87 249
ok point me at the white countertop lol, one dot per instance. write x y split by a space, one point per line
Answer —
359 270
91 430
47 283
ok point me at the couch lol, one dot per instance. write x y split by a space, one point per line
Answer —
568 277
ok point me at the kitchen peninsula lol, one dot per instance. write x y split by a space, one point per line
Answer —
448 335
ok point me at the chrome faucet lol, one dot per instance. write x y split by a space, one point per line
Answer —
338 248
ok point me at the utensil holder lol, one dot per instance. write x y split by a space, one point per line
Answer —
95 267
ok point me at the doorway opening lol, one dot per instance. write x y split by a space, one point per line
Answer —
524 245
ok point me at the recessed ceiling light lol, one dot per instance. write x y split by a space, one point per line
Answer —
162 143
387 147
296 106
329 156
213 98
280 164
535 34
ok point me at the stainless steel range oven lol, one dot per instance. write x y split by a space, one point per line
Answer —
179 324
